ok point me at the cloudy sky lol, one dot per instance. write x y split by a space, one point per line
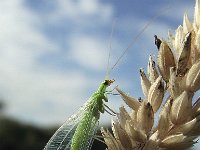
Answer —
53 54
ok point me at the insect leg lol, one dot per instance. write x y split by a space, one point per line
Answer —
112 93
109 109
110 113
112 89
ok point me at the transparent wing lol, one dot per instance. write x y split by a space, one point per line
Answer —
91 138
61 139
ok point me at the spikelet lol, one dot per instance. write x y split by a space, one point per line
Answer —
145 83
193 78
171 89
184 55
181 110
165 60
145 117
152 71
130 101
156 94
122 136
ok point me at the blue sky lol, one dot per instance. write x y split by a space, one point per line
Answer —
53 54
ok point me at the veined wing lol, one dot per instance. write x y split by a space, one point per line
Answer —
61 140
92 134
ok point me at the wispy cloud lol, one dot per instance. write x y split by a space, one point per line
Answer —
71 31
33 91
83 12
88 52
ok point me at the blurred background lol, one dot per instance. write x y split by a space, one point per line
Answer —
53 56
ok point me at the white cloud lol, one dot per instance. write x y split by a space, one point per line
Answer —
33 91
43 96
88 52
20 42
81 10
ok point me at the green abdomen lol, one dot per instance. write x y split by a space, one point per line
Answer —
83 132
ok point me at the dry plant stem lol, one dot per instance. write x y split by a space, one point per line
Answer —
176 73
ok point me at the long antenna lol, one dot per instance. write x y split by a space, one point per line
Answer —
137 36
110 48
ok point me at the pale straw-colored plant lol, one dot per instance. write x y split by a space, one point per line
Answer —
169 89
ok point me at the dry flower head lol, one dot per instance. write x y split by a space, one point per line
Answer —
177 77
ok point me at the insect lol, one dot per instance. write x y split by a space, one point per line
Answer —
78 131
81 127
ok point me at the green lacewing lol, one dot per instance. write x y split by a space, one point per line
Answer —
76 133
